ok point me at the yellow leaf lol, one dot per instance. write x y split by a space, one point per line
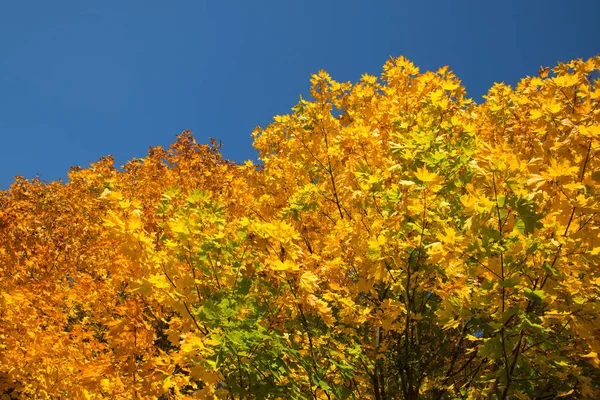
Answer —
105 384
212 342
168 383
565 394
284 266
179 226
159 281
566 80
191 344
554 107
113 195
436 95
453 323
425 176
450 85
309 282
590 131
591 354
562 168
536 114
134 222
537 180
593 358
325 312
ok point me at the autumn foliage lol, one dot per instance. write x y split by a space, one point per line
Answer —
396 241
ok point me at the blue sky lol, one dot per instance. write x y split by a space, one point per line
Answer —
82 79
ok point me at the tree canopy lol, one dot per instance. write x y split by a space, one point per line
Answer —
396 240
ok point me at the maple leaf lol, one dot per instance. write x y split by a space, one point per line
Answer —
424 175
309 282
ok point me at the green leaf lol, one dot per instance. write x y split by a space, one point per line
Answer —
531 249
526 209
243 286
509 283
501 200
321 384
579 300
534 295
492 347
550 269
536 328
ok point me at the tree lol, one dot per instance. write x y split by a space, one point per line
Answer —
397 240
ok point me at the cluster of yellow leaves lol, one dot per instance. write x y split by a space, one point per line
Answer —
396 241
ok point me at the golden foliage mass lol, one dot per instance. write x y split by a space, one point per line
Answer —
396 240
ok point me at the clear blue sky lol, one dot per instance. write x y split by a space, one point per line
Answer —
80 79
